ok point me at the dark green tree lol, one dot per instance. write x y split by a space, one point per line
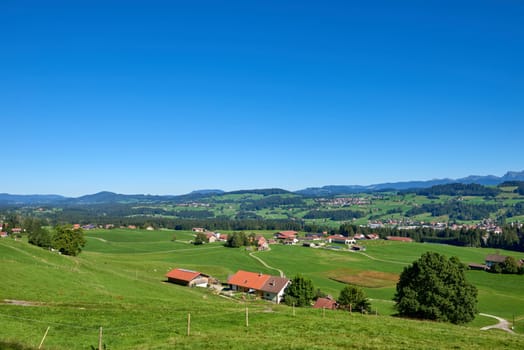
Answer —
36 234
510 265
435 288
353 298
300 292
200 238
237 239
68 241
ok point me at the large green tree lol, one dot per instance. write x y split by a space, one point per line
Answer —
300 292
353 298
68 241
435 288
37 234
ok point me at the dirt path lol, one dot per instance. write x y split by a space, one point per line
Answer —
266 265
503 324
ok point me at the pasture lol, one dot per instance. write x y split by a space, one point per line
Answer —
118 283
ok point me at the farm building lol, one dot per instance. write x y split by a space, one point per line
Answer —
493 259
286 235
474 266
341 239
265 286
326 303
187 278
262 243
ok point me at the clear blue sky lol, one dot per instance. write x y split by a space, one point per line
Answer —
166 97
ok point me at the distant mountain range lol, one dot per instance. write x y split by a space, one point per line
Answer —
332 190
406 185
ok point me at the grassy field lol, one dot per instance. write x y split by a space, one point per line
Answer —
118 283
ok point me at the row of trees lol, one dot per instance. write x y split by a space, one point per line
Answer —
456 210
457 189
335 215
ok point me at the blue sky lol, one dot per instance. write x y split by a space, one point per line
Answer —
166 97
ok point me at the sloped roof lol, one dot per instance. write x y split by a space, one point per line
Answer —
326 303
275 284
183 274
290 234
496 258
246 279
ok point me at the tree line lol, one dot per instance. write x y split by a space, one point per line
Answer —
456 189
456 210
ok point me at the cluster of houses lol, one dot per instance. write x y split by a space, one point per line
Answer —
4 233
211 237
406 224
264 286
344 201
315 240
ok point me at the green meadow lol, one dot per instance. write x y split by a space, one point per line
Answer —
118 283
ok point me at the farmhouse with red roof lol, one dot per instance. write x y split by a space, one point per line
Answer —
187 278
265 286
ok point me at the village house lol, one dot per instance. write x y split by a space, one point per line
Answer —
211 237
493 259
283 235
313 236
188 278
262 243
3 234
198 229
373 236
264 286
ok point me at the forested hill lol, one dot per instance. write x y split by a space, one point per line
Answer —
471 186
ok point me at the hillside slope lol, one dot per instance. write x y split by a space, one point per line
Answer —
124 294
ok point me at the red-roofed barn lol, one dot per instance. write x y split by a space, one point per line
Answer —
326 303
187 278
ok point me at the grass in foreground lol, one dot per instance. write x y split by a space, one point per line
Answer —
125 294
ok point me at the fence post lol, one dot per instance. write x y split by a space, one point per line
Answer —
188 324
45 335
247 317
100 339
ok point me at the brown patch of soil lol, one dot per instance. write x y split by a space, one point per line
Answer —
368 279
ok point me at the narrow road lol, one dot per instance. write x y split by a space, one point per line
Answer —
503 324
266 265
